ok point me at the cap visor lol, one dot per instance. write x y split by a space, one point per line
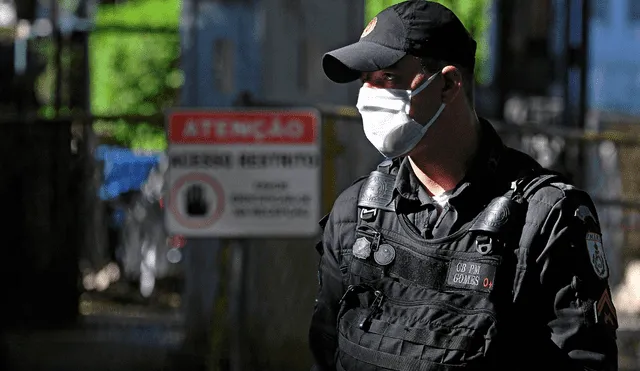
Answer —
346 64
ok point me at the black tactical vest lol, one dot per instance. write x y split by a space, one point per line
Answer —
439 304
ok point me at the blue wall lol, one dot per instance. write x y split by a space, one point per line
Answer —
236 22
615 59
614 53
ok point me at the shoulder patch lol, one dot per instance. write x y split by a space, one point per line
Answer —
593 240
596 255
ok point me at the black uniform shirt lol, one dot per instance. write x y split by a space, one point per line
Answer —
475 189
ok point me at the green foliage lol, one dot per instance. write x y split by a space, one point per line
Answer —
135 73
472 13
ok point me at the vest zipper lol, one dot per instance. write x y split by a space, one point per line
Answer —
375 307
357 289
374 235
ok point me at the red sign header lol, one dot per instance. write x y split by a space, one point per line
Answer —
248 127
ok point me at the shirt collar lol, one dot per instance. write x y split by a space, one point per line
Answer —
483 168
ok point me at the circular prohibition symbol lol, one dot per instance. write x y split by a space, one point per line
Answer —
195 211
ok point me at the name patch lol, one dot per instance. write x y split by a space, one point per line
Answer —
471 275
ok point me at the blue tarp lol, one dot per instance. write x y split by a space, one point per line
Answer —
124 170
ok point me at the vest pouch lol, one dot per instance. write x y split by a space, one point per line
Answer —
426 330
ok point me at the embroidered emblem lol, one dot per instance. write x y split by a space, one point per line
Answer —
596 255
370 27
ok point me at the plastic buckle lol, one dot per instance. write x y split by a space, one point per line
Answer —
368 214
484 245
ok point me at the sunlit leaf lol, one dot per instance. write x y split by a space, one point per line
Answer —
135 73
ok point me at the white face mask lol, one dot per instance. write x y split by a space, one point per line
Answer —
386 120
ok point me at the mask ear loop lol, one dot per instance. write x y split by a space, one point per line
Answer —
424 85
413 93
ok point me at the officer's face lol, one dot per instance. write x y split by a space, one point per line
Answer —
408 74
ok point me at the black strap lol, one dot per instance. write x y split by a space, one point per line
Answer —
376 196
498 218
539 182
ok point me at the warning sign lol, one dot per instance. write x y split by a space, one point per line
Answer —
198 200
243 173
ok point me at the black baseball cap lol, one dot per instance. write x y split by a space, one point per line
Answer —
416 27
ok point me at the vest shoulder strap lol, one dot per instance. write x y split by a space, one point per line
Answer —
503 210
377 191
539 182
377 194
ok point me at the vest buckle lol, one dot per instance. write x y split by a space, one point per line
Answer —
368 214
484 245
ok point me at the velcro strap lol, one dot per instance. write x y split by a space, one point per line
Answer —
431 273
425 272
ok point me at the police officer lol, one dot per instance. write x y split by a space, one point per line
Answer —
457 252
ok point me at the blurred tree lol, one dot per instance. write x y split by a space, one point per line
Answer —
135 73
474 15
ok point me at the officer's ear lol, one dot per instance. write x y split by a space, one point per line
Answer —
452 83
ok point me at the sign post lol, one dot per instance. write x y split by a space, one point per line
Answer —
241 174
